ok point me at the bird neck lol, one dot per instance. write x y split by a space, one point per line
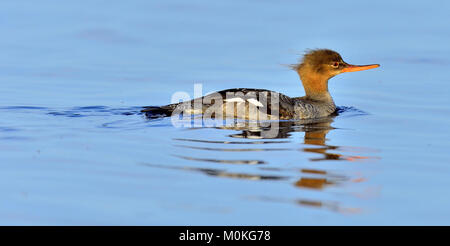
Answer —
316 86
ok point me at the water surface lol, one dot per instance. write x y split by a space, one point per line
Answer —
74 149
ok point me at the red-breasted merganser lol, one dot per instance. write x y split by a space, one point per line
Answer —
315 69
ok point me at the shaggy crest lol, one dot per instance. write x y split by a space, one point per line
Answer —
316 58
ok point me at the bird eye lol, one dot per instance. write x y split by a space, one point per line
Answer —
335 64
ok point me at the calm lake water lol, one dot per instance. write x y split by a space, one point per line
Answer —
74 149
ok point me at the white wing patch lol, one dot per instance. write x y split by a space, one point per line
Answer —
255 102
240 100
236 99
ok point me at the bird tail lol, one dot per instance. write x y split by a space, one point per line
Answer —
157 112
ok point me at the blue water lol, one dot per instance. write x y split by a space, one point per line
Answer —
74 149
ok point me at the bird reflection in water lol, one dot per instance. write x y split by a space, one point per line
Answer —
315 132
315 135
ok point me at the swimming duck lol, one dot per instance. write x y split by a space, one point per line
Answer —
315 69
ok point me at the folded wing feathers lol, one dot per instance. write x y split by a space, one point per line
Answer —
240 100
